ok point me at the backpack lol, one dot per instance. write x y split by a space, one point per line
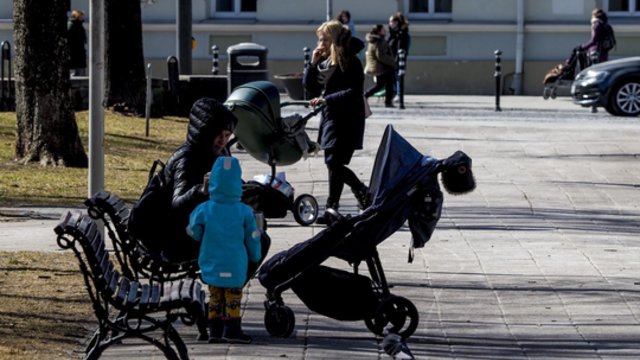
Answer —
151 211
608 39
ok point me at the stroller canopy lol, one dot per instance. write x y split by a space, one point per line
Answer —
395 161
261 130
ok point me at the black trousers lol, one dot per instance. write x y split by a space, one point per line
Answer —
339 175
384 81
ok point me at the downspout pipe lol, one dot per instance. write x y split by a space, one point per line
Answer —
516 83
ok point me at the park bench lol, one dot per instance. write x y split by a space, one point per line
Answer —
134 259
132 255
125 307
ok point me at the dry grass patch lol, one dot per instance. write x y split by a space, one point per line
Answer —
45 312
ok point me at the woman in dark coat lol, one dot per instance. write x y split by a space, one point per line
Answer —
187 171
595 51
334 78
399 38
77 37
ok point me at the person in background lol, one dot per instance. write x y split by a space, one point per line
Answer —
334 77
595 51
77 37
381 64
399 38
345 19
230 240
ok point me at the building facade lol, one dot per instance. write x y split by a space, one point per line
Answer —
452 47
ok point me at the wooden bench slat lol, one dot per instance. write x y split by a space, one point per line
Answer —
123 291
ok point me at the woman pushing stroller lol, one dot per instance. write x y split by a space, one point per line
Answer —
335 78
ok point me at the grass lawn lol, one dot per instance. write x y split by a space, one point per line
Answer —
128 157
45 312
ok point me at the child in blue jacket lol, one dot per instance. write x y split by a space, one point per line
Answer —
230 240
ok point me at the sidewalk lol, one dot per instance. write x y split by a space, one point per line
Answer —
541 261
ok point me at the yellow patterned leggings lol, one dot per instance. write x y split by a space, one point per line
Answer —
224 302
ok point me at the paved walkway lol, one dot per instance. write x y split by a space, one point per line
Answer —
542 261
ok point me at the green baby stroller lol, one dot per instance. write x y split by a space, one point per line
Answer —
273 140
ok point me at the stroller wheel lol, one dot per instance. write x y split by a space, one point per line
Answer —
399 313
546 92
553 93
279 321
374 327
305 209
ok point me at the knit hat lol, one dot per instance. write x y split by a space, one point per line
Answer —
208 118
457 176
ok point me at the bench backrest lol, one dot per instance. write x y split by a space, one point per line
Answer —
131 254
102 278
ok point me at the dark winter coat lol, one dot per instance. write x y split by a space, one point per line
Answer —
399 39
185 170
593 47
77 37
342 122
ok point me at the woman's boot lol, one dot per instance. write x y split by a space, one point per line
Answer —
363 196
325 218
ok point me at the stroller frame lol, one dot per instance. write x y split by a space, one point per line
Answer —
393 313
577 62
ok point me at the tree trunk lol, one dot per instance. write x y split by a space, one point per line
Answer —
125 78
46 125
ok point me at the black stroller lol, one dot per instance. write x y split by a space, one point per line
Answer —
404 186
273 140
562 75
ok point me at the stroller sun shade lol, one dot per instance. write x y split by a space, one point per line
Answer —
260 128
395 159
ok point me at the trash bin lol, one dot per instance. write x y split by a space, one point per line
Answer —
292 84
247 63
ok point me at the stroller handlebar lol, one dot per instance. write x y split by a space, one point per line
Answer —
304 103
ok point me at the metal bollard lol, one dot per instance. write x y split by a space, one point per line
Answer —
498 76
5 56
149 99
307 60
307 55
401 72
216 54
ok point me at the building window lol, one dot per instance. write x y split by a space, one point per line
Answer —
234 8
437 8
623 7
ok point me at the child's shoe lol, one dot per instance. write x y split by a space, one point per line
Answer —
233 332
216 327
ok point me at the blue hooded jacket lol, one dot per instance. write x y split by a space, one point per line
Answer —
226 227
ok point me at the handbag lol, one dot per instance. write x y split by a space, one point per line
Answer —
367 108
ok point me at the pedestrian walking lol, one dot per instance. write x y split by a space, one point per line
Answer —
381 64
334 77
602 38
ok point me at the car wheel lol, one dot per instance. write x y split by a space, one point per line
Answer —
610 108
625 98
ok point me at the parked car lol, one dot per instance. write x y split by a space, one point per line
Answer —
614 85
